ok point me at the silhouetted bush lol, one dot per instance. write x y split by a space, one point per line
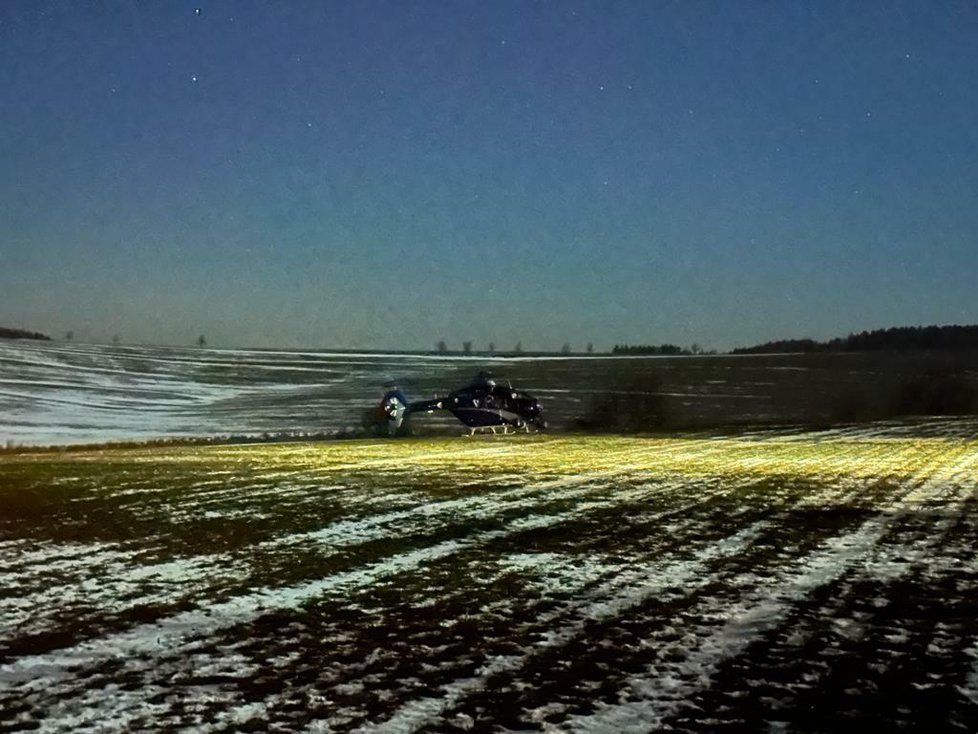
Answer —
637 407
936 392
854 406
943 390
6 333
649 349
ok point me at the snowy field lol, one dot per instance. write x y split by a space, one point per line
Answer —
771 581
65 393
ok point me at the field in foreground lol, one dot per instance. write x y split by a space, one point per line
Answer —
804 581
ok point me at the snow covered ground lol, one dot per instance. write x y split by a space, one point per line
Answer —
825 581
64 393
67 393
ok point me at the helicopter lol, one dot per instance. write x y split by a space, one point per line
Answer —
482 405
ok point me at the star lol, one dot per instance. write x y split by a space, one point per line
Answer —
193 78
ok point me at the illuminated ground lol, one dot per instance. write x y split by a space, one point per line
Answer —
777 580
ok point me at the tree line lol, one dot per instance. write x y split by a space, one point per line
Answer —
662 349
894 338
22 334
442 347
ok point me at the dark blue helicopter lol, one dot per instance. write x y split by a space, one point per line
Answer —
483 404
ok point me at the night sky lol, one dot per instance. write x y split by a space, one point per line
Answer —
388 174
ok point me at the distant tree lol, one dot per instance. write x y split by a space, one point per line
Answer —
518 348
492 347
441 346
566 349
201 341
115 339
467 347
69 335
590 348
695 349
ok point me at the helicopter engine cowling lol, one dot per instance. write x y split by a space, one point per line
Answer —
534 413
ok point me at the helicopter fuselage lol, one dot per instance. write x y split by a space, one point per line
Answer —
483 404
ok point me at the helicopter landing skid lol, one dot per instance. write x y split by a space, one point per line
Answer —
504 429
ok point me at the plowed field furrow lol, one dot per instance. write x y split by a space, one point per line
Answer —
610 644
534 518
591 583
868 650
154 583
448 569
341 532
662 690
555 649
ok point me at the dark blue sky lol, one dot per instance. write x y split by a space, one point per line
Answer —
387 174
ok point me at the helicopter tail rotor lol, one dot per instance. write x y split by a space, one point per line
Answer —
392 413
